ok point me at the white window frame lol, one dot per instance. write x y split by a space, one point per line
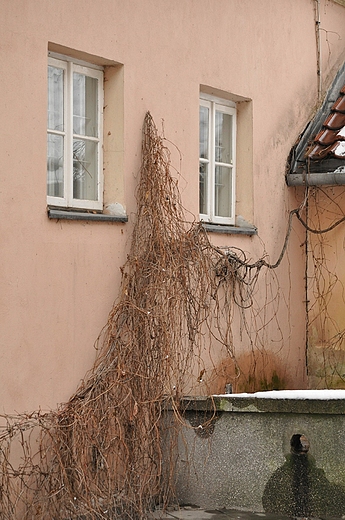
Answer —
70 66
218 104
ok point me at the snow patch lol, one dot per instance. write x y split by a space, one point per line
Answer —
293 394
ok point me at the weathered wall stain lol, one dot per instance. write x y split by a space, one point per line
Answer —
251 372
299 488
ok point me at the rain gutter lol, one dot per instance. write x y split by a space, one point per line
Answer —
316 179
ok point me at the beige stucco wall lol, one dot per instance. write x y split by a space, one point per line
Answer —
58 279
326 341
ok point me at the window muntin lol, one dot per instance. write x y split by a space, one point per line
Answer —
74 158
217 144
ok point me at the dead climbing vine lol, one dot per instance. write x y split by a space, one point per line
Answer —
322 219
109 452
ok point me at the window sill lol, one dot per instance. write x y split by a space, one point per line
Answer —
229 230
79 215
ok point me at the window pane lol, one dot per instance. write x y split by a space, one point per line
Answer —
55 98
55 166
85 167
204 132
223 195
203 178
223 137
85 105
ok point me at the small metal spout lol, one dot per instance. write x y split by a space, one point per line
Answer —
299 444
228 388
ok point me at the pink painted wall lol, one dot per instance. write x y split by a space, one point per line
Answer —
58 280
326 274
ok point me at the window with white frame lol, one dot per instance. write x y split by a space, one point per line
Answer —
217 160
74 125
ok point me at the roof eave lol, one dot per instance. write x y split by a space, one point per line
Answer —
297 159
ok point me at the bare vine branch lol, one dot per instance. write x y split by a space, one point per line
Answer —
109 451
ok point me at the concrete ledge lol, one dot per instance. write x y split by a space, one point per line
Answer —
233 403
233 449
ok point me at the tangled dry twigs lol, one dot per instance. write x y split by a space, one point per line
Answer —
105 453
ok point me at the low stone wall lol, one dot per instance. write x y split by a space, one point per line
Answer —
235 452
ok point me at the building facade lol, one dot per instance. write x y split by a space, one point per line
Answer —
230 84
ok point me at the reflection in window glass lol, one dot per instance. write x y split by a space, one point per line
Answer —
203 181
204 132
85 105
55 98
222 191
84 169
223 137
55 180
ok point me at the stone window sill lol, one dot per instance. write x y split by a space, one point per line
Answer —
79 215
229 230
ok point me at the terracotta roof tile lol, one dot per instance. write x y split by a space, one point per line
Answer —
318 152
326 137
335 120
330 141
339 105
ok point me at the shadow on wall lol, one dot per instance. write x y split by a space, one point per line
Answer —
299 488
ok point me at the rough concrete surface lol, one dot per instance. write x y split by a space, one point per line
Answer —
230 464
190 513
